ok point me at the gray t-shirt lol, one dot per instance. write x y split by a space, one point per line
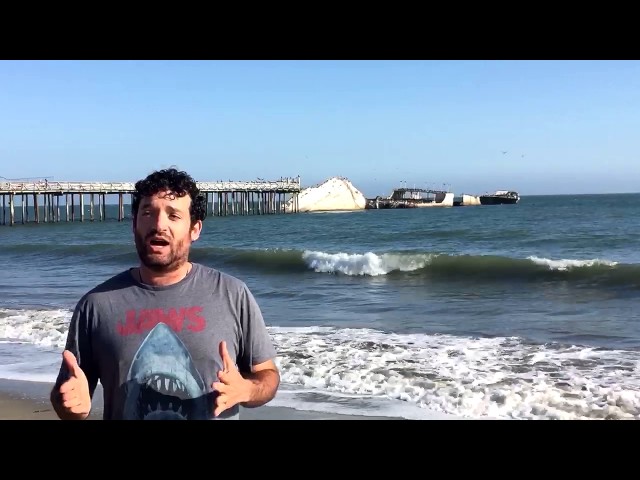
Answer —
156 350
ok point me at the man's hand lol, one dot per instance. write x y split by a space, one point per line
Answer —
75 399
232 388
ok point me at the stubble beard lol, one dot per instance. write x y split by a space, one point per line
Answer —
176 257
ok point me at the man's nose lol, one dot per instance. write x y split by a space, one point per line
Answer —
160 222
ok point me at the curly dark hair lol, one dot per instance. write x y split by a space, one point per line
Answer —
178 182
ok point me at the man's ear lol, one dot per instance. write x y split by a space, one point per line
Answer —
196 228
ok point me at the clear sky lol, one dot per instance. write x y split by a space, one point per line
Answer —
566 126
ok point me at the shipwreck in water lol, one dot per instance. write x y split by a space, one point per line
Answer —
411 198
500 197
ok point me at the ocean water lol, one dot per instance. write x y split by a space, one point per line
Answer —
527 311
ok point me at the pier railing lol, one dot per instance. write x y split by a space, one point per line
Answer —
256 197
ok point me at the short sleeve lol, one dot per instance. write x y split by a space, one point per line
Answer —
79 343
256 343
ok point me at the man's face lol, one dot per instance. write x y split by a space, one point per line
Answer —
163 231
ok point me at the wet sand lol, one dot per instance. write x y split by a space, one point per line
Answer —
21 400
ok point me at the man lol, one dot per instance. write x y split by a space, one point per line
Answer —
170 339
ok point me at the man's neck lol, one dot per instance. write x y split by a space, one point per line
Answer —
162 279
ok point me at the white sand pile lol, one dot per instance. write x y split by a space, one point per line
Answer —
334 194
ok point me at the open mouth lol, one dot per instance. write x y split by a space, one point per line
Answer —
158 242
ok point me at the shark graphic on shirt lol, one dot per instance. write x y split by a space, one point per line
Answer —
163 383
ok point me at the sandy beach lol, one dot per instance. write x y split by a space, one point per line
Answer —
21 400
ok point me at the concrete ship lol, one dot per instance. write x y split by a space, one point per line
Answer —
500 197
411 198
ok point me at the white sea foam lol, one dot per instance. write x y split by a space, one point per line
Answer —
31 342
461 376
46 328
373 264
475 377
566 264
364 264
350 404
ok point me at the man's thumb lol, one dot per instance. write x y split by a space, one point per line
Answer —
71 362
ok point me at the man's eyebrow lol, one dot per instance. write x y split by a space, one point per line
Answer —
174 209
170 208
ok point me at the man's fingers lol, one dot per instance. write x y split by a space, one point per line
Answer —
221 405
225 379
71 403
78 409
74 393
226 359
222 401
71 398
68 386
71 362
219 386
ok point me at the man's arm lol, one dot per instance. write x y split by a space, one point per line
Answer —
265 379
252 378
77 378
248 389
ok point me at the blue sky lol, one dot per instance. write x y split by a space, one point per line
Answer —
566 126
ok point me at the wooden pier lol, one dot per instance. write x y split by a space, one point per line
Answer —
223 198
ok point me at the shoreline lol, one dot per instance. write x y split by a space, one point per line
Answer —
27 400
